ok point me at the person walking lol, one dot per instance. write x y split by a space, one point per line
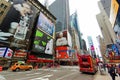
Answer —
118 70
112 72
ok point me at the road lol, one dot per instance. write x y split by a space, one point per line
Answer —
62 73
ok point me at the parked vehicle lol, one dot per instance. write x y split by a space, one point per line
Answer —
87 63
21 66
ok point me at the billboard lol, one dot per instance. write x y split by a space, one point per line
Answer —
17 24
2 51
113 11
63 38
6 52
62 52
42 43
45 24
20 53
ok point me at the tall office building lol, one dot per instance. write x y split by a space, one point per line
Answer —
60 9
75 25
91 46
104 22
106 4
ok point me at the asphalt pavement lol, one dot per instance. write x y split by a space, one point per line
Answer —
61 73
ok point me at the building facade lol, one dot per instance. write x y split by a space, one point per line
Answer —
107 20
29 32
60 9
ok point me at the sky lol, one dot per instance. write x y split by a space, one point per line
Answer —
87 11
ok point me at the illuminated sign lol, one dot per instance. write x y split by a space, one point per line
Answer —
61 38
42 43
62 52
20 53
113 11
17 23
6 52
45 24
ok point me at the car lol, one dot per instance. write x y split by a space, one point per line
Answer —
21 66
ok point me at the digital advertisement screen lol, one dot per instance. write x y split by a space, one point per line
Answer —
45 24
17 23
42 43
6 52
62 52
61 38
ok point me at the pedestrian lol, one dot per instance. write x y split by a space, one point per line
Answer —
118 70
104 66
112 72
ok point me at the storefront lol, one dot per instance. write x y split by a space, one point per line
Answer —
31 27
5 57
34 60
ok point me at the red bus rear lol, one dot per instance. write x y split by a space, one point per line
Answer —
87 63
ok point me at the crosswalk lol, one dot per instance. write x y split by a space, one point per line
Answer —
46 77
38 74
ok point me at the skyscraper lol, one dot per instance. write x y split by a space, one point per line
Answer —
75 25
60 9
91 46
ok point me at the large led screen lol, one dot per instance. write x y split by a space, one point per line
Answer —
17 23
45 24
42 43
62 52
61 38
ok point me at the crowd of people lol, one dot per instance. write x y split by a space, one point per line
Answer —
113 70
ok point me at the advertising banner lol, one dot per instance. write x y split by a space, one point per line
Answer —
20 53
6 52
42 43
113 11
61 38
2 51
17 23
62 52
45 24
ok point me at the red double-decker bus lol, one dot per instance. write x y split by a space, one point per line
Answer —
87 63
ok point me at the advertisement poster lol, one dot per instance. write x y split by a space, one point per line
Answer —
20 53
2 51
113 11
62 52
61 38
42 43
45 24
6 52
17 23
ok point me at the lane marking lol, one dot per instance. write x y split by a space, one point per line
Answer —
61 78
41 79
46 77
14 73
32 74
26 78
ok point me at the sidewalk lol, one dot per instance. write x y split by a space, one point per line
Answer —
106 76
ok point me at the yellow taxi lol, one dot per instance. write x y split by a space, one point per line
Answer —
21 66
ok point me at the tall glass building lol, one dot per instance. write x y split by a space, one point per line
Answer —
60 9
